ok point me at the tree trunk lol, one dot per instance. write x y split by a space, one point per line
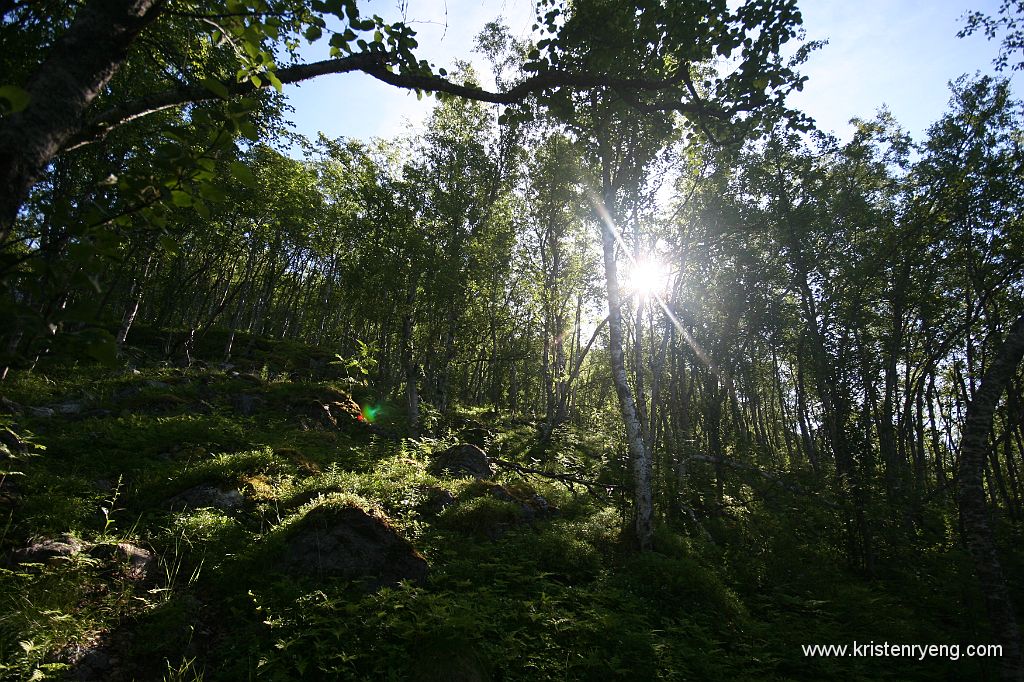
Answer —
76 71
409 366
627 406
974 512
135 300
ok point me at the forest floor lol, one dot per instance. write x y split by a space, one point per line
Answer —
220 523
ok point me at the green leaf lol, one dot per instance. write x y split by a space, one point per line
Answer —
313 33
274 80
15 99
179 198
216 87
169 244
201 208
212 192
242 173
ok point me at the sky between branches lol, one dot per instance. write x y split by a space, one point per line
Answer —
901 53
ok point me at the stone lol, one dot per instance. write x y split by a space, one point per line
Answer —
477 435
345 407
12 442
10 493
70 408
98 658
434 501
352 543
208 496
246 404
9 406
461 422
139 563
126 392
462 460
45 412
531 505
337 410
92 663
49 550
96 413
104 485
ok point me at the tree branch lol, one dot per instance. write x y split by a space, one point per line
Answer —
376 64
99 126
598 490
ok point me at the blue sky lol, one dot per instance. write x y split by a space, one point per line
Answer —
901 53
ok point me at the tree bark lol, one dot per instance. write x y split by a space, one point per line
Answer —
974 512
634 432
77 70
409 366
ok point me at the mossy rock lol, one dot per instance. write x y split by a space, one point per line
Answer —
462 460
346 541
484 517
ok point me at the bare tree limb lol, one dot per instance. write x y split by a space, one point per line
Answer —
598 490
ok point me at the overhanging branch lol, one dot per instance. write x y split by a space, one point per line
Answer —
376 64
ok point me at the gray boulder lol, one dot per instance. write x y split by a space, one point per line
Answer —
49 550
138 563
477 435
352 543
206 495
70 408
11 443
246 404
532 505
434 501
462 460
9 406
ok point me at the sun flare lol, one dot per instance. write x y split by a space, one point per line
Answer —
648 276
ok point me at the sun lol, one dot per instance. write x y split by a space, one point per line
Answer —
647 276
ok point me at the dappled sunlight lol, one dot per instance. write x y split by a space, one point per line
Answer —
613 363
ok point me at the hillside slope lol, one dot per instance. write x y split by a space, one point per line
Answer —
226 523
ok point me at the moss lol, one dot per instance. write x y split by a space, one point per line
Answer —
682 587
484 517
560 597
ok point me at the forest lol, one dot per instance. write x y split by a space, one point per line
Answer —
616 368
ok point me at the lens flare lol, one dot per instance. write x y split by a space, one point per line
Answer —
647 276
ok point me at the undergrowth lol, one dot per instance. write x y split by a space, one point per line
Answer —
511 595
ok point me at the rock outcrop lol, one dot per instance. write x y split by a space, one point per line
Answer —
206 495
462 460
348 542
